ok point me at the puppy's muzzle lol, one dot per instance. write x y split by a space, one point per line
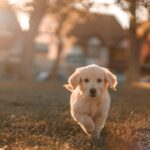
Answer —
93 92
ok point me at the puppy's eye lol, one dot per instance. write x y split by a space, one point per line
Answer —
99 80
86 80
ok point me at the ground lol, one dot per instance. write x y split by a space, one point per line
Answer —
36 117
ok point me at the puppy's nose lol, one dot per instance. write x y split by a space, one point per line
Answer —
93 92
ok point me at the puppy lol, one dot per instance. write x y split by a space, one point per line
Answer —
90 100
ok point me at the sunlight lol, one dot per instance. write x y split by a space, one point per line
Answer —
109 7
114 10
23 18
24 21
19 2
103 1
16 1
142 85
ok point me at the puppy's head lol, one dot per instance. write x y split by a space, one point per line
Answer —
92 80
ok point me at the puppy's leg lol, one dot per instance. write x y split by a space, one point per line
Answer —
86 123
99 125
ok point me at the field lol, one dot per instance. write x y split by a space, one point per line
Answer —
36 117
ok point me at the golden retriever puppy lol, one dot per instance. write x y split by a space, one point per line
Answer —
90 100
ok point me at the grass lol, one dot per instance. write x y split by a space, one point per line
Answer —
36 117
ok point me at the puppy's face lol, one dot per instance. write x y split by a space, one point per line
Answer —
92 80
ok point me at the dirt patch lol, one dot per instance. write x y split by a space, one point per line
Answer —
36 116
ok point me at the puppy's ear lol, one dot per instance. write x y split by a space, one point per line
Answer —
73 81
111 79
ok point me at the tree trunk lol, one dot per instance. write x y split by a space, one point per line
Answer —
28 54
27 57
55 69
133 62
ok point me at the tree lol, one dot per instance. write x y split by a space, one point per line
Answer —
35 19
62 10
38 10
133 61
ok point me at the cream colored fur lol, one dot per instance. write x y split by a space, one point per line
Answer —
90 108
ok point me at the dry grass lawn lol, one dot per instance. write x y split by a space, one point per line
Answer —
36 117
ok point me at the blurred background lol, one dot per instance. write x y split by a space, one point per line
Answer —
47 39
42 42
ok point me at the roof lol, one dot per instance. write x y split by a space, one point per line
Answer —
103 26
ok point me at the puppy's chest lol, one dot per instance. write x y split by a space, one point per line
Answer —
93 109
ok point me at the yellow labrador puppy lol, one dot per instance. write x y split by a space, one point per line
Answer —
90 100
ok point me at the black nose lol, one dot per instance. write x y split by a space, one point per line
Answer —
93 92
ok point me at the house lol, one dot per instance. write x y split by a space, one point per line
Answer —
103 40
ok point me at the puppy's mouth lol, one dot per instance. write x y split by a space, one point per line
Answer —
93 95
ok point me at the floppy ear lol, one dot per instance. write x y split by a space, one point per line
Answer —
73 81
111 79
